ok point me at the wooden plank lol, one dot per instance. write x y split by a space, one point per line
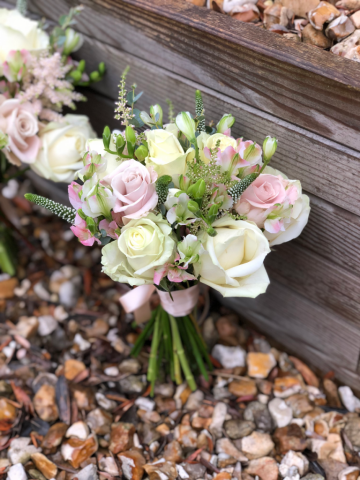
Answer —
297 147
325 283
334 234
306 329
296 82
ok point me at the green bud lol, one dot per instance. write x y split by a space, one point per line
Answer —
95 76
186 125
101 68
145 117
157 114
82 214
184 183
76 75
226 122
73 41
130 135
141 153
164 180
120 144
269 148
213 211
90 223
193 207
106 137
211 231
81 66
197 191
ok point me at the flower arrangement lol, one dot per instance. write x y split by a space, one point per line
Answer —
176 205
37 80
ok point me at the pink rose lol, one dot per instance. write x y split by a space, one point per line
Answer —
134 188
20 123
265 192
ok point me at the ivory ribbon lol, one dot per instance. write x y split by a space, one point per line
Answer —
137 301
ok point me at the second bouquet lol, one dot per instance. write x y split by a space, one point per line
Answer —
178 204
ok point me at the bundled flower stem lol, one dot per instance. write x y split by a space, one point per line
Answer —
179 204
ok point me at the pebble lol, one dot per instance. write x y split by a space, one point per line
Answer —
46 467
258 412
323 13
173 452
45 403
286 386
315 37
260 364
218 419
352 430
16 472
355 18
186 436
348 399
27 327
236 428
266 468
20 450
81 342
300 404
340 28
241 388
280 412
89 473
68 294
121 437
224 445
54 436
257 445
346 45
79 430
47 324
72 368
77 451
133 384
195 470
132 464
290 437
294 459
194 401
229 357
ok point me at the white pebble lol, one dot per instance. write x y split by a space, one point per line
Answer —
47 324
145 404
229 357
16 472
84 345
280 412
349 400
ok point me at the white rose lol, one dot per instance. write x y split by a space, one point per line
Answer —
295 225
144 244
19 33
233 262
166 155
209 141
63 146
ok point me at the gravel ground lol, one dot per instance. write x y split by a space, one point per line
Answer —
75 405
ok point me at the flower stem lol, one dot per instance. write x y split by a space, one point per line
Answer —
144 335
200 341
6 264
181 353
154 348
195 348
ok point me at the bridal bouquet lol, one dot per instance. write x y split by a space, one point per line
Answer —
180 204
37 80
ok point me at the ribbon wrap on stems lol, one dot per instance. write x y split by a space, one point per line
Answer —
181 304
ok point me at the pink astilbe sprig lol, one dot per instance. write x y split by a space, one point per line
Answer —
45 80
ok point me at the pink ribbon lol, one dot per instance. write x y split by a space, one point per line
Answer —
137 301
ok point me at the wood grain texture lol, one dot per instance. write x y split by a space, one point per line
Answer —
304 328
296 82
299 150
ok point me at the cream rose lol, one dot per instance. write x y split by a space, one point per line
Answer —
209 141
143 245
19 33
63 146
166 155
233 261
